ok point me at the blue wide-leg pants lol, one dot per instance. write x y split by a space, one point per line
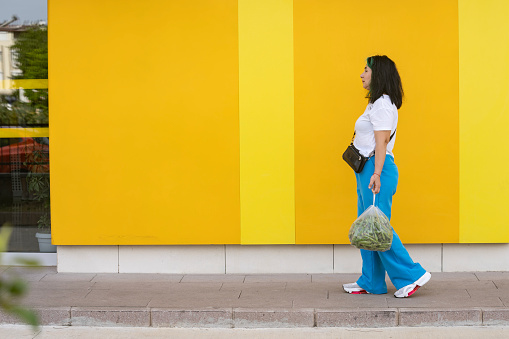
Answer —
396 261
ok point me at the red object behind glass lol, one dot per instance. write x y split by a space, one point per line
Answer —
26 153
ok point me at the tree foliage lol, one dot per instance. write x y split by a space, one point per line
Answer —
12 288
31 50
22 114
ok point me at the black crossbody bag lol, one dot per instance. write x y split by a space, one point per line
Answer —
354 158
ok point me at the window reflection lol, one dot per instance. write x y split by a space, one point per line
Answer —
24 142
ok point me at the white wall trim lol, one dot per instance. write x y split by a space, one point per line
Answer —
259 259
172 259
13 258
254 259
87 259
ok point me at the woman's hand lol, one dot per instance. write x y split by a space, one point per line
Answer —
374 183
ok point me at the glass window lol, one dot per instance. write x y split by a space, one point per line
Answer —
24 142
14 59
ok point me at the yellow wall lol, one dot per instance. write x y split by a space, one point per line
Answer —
332 40
223 122
144 122
484 107
267 193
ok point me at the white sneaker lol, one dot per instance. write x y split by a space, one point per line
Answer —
408 290
353 288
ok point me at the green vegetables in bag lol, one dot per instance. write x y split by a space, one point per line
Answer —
371 231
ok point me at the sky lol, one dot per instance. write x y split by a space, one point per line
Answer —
25 10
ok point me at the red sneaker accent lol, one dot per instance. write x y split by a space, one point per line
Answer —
414 290
359 292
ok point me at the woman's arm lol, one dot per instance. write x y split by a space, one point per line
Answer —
382 138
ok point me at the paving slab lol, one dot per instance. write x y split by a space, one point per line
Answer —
50 316
348 301
270 318
338 278
27 270
110 316
53 298
191 301
455 303
274 301
495 317
311 286
155 286
457 299
473 292
258 287
203 318
118 298
308 292
29 273
492 275
453 276
304 302
383 317
61 285
470 284
192 304
440 317
502 284
69 277
334 304
137 277
197 286
213 278
277 278
330 278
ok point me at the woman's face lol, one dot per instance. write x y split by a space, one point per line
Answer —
366 77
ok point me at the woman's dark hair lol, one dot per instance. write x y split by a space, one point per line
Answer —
384 80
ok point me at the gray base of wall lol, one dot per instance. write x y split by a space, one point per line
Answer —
256 259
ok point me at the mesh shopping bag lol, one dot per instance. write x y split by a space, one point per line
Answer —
372 230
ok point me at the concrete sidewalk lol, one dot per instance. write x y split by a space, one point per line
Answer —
71 332
257 301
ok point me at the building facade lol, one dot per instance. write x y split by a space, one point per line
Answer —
213 144
8 68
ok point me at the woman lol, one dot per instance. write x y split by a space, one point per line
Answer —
376 131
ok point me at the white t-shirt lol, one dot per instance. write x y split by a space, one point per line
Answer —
382 115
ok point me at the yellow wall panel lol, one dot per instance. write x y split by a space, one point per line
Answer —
484 107
144 122
332 40
266 122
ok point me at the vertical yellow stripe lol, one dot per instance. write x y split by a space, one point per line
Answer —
266 122
484 117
